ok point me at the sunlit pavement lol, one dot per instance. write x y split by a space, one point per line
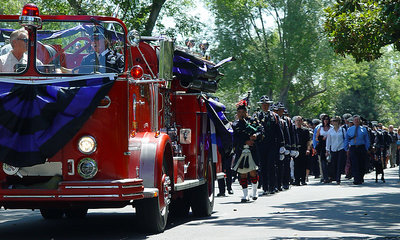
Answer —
314 211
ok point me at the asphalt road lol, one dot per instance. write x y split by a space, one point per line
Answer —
315 211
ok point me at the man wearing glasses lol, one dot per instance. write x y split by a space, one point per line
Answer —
19 42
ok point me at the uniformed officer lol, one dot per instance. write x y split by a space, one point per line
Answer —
283 164
103 58
291 150
246 131
270 146
381 143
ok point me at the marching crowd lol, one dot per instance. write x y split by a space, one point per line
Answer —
271 151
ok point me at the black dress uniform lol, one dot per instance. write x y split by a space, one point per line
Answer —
300 163
106 61
382 142
269 148
290 146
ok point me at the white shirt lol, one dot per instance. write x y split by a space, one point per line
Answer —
8 61
335 140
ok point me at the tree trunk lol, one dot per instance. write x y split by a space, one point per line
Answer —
151 21
287 79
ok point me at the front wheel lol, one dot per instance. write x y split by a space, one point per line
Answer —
202 197
153 212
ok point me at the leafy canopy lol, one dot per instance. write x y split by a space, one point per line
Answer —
362 27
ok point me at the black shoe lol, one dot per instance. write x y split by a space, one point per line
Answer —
280 189
376 180
286 187
230 191
383 180
296 183
356 183
271 192
303 183
221 195
255 198
244 200
338 183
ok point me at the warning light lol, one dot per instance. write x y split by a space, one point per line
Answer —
30 10
137 72
30 16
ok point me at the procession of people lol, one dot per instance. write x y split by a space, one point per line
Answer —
272 152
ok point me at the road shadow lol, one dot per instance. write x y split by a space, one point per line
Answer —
372 215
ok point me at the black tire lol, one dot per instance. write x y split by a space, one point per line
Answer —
76 213
151 217
202 197
179 208
51 213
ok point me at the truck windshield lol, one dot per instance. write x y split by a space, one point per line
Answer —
80 47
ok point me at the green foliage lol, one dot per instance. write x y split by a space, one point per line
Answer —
361 28
11 7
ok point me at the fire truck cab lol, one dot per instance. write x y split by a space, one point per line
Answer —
95 116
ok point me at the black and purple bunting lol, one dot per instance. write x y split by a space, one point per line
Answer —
37 120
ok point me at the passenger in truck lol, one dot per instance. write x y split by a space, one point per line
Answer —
103 59
10 61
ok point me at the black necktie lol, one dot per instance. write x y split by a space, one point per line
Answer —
355 135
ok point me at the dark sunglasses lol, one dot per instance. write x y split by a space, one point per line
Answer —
23 39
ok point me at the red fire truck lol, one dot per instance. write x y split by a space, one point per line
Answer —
94 116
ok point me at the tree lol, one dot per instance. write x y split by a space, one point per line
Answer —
272 59
362 27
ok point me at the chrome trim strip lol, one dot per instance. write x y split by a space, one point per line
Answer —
89 196
143 81
220 175
189 184
133 148
180 158
34 80
188 94
72 172
149 192
131 194
29 196
132 186
90 187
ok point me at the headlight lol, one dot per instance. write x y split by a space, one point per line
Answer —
87 168
10 170
87 145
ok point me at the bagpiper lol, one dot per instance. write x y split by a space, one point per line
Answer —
246 131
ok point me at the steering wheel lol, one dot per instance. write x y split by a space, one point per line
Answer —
75 54
90 69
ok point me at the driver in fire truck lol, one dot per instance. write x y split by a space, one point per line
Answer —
16 59
103 58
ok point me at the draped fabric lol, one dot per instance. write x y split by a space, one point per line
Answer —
223 128
38 118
